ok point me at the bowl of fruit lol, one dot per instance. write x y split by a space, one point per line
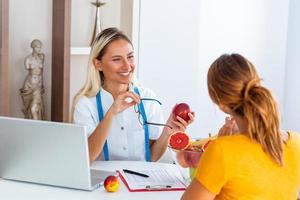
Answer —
188 151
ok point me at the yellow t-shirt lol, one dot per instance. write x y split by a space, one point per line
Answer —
234 167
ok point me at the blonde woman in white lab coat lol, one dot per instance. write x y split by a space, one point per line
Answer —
124 120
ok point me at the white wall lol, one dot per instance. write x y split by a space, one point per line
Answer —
256 29
180 39
291 119
126 16
169 50
28 20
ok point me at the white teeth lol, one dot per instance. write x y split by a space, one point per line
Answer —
125 73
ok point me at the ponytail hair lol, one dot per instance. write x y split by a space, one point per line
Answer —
233 81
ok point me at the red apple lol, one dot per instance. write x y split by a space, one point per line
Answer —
111 184
182 110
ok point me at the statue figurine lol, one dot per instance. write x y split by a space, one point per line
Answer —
33 89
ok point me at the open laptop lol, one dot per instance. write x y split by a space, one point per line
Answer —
48 153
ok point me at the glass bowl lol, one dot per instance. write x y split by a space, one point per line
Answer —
188 158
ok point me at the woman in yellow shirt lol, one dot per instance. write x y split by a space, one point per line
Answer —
260 162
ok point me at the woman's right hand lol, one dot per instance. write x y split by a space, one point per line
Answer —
123 101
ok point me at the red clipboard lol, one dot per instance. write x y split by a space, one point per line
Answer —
149 189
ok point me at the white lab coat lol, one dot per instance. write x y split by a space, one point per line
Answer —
126 135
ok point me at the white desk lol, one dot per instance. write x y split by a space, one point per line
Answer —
13 190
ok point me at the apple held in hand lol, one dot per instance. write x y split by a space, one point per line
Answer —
111 184
182 110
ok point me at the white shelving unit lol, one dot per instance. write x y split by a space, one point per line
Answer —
80 50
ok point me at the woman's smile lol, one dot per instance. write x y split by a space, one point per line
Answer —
125 73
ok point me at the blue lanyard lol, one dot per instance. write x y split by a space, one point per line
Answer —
145 126
100 114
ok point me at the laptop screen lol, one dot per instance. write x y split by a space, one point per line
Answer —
44 152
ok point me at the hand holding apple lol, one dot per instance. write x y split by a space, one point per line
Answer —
111 184
180 118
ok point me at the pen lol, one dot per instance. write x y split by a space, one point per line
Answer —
135 173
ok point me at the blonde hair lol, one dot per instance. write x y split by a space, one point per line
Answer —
233 82
94 77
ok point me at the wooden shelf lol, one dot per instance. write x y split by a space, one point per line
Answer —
4 69
80 50
61 44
